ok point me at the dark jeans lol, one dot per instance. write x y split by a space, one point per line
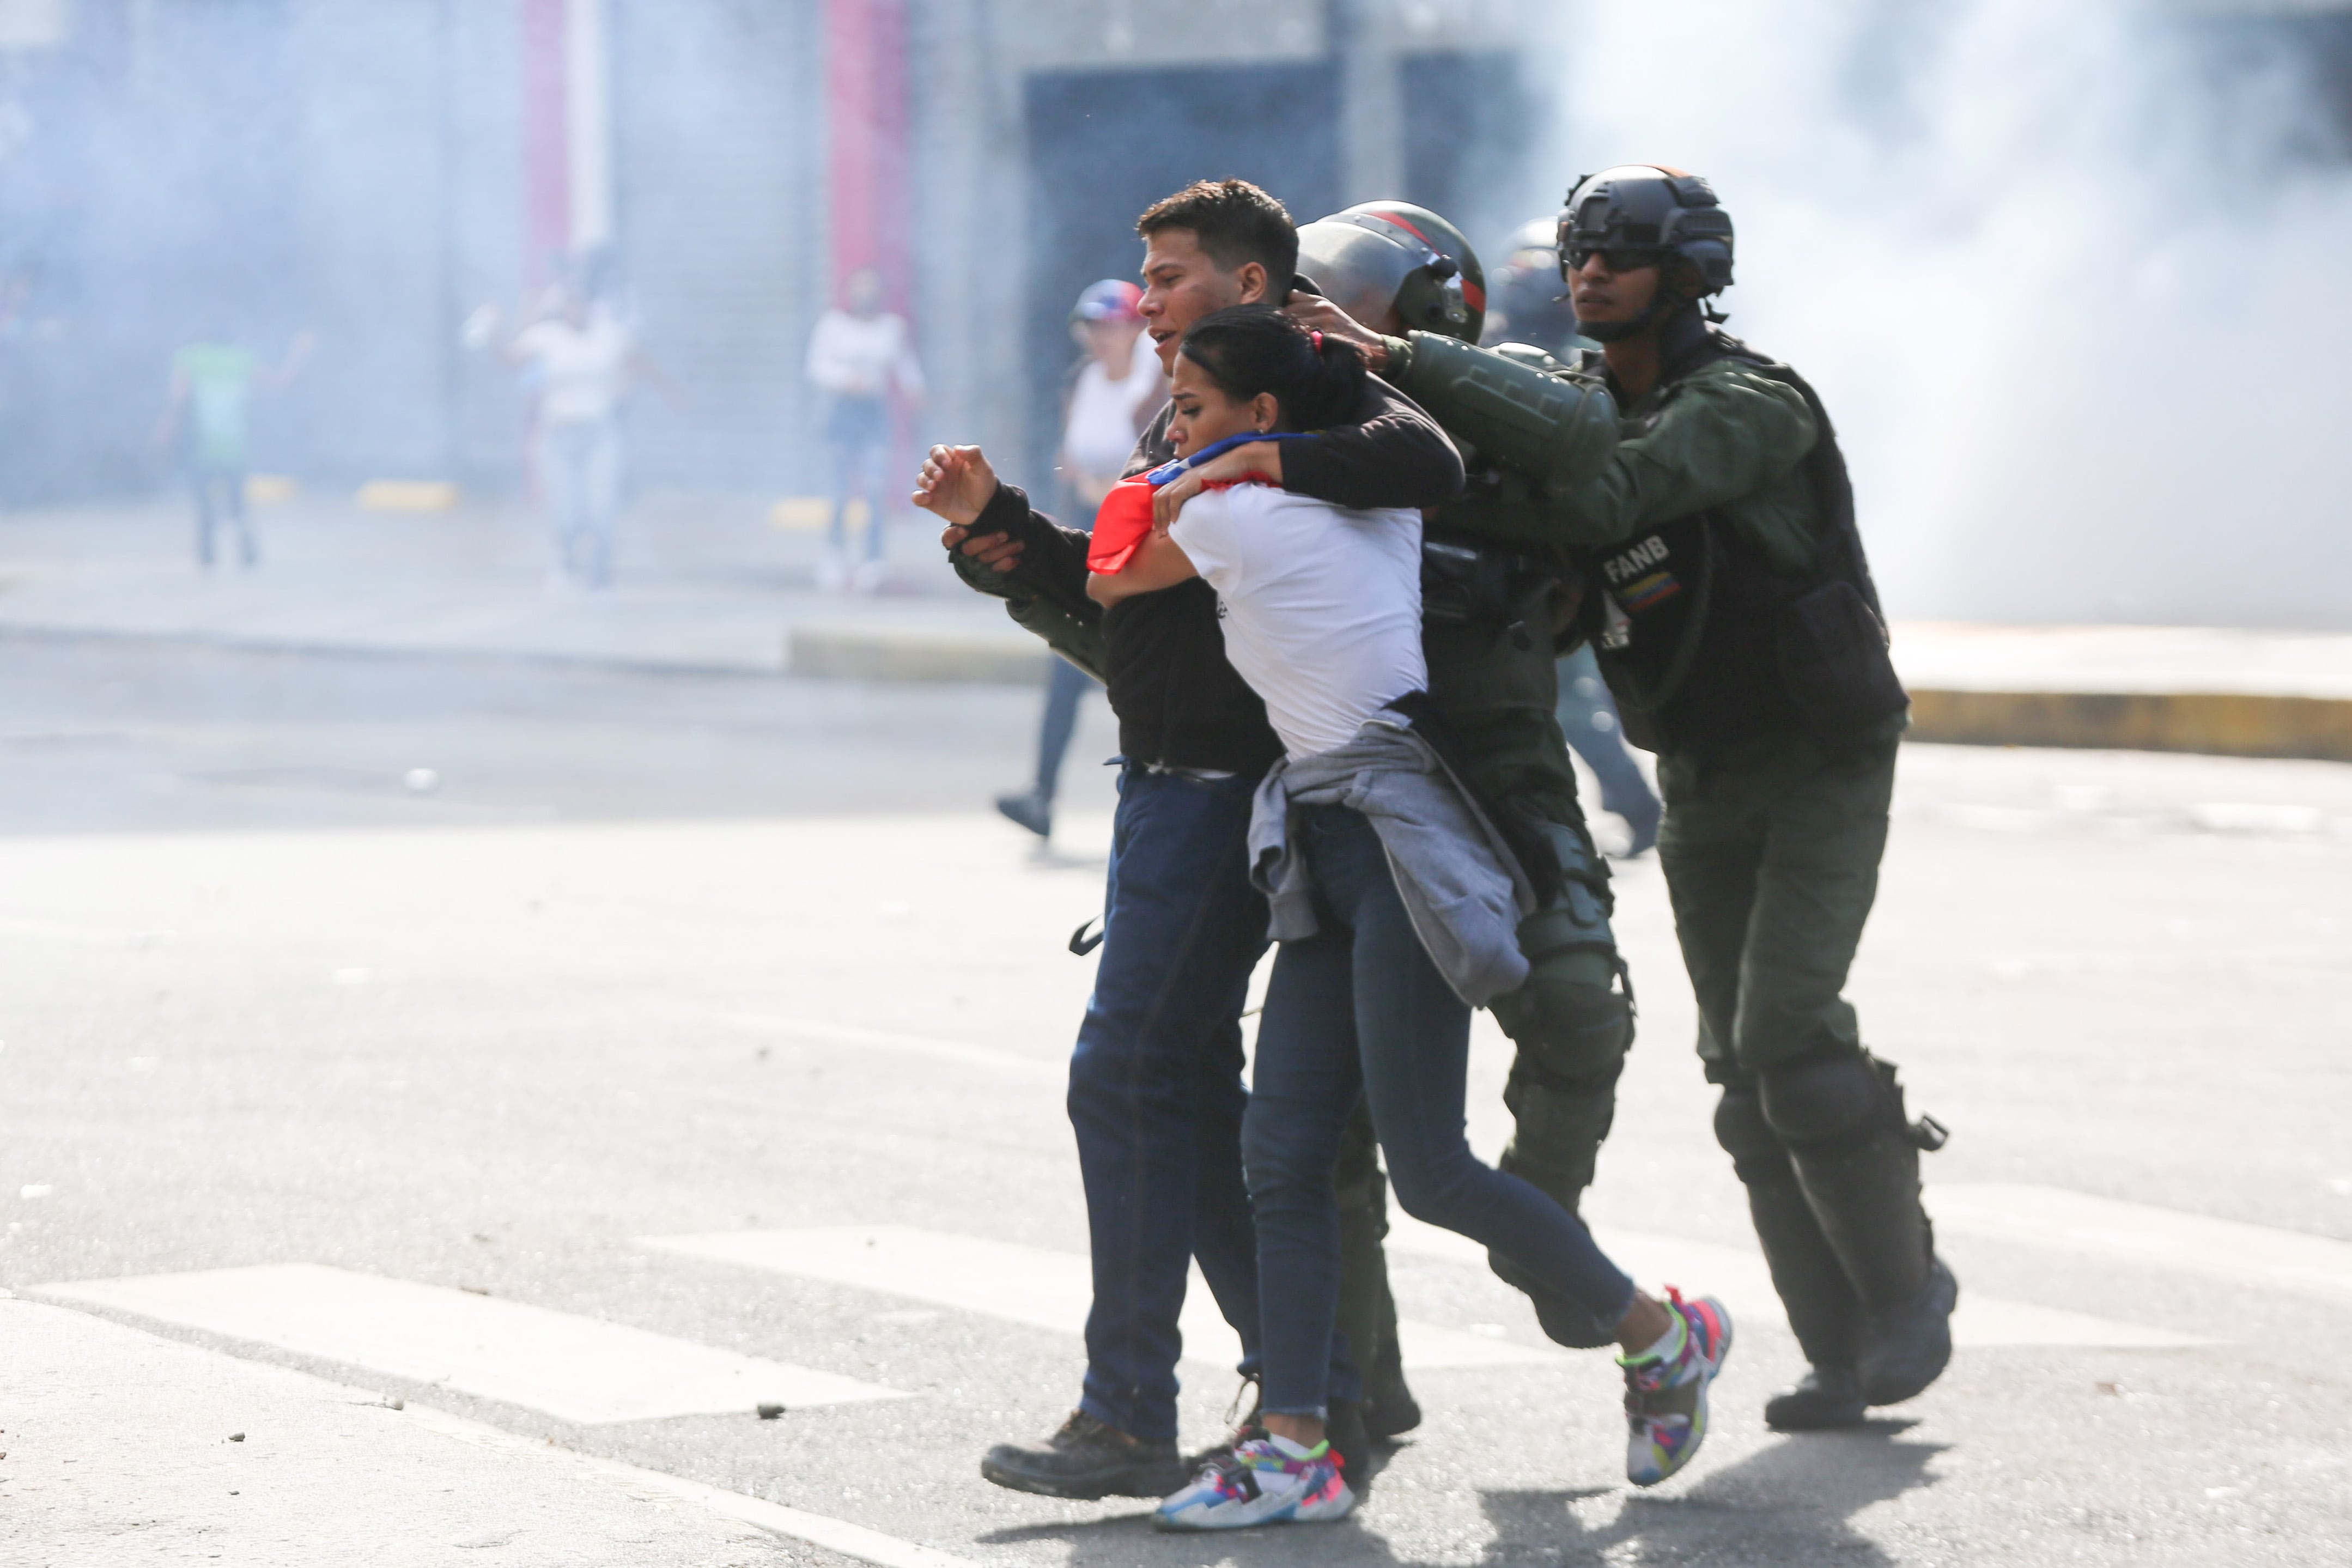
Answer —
220 492
1587 717
858 431
1359 1007
1156 1092
1063 687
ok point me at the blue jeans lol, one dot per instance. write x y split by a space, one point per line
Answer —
1359 1007
1156 1093
1065 685
1587 717
858 430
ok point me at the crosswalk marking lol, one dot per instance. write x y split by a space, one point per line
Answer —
573 1368
818 1529
1032 1285
2108 1227
1738 1277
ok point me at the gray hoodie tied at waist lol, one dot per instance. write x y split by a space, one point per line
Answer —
1460 883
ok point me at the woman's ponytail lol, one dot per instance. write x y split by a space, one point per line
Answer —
1337 387
1246 349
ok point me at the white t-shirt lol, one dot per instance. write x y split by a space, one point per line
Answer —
862 355
1320 604
1106 416
584 367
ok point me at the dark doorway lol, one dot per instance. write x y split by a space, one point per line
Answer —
1104 145
1470 125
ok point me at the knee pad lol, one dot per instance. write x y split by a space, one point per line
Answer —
1827 1098
1758 1158
1572 1033
1740 1128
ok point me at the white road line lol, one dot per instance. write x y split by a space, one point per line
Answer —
816 1529
575 1369
1031 1285
1738 1277
2079 1223
1012 1064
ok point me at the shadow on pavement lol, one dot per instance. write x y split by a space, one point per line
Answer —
1790 1506
1792 1503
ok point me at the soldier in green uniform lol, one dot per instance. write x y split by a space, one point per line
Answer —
1729 597
1493 609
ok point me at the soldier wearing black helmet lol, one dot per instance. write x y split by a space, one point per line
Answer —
1492 609
1733 610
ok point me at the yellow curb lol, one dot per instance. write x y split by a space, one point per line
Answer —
2220 723
406 495
915 653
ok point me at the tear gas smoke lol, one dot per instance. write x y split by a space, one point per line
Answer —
2070 278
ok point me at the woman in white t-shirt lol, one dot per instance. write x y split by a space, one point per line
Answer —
584 358
1320 607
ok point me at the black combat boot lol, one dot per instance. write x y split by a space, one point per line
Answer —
1390 1409
1907 1347
1555 1148
1824 1398
1865 1191
1367 1313
1823 1312
1087 1459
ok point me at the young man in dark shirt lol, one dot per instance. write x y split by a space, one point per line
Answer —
1156 1094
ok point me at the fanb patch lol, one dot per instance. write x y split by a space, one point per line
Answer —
1638 576
1648 592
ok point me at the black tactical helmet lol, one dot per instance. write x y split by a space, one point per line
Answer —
1383 254
1650 210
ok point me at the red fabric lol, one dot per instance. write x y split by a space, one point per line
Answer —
1121 524
1125 518
546 151
866 93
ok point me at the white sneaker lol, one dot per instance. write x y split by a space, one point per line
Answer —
831 573
869 577
1266 1481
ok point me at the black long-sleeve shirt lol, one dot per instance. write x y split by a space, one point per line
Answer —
1178 702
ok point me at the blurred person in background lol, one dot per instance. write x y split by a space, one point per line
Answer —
209 409
860 356
1111 397
1528 303
579 363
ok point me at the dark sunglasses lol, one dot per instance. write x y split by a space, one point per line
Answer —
1615 259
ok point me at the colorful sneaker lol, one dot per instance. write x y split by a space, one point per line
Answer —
1665 1396
1265 1480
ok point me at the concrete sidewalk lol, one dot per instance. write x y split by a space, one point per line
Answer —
711 585
700 585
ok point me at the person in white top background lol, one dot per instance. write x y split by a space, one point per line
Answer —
1109 399
860 356
1392 901
582 362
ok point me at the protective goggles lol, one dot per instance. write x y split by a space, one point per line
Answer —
1614 258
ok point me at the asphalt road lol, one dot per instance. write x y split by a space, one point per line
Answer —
748 961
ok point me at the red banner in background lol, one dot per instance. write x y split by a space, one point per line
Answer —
546 140
866 90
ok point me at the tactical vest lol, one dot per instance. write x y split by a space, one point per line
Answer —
1706 646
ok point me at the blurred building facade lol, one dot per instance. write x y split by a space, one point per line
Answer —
380 170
